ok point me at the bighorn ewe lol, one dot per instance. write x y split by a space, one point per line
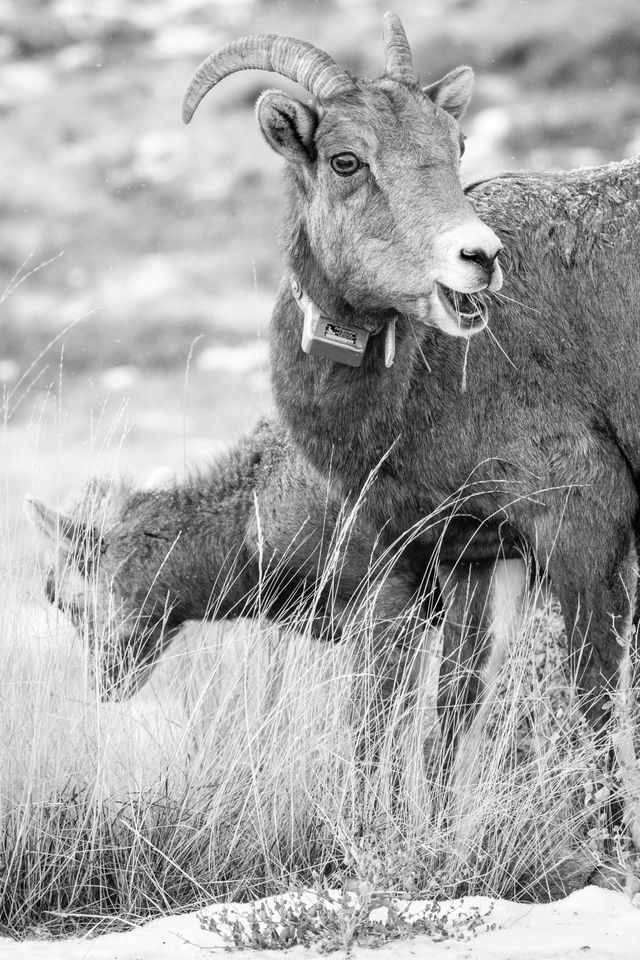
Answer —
524 440
258 534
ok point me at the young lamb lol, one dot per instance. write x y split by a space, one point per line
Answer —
260 533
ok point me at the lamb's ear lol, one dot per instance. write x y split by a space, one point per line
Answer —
453 91
288 126
65 532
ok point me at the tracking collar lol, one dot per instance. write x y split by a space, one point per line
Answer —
335 340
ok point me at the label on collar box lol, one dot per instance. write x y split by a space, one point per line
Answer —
339 342
346 335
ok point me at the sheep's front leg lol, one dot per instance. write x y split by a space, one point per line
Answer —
483 607
392 642
484 603
598 602
598 598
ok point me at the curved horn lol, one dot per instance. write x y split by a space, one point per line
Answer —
297 60
397 52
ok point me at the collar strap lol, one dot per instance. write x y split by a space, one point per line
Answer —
342 342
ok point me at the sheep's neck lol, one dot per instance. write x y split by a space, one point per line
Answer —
346 420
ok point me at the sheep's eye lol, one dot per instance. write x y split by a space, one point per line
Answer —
462 140
345 164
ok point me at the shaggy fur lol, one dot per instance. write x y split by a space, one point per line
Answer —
258 534
541 451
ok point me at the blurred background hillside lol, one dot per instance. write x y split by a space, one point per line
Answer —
154 246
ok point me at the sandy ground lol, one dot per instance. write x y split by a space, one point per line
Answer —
592 923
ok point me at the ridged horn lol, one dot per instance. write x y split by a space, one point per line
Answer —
297 60
397 52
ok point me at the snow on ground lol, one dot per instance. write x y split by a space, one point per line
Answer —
590 923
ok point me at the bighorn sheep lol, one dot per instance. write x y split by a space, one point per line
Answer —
521 441
260 533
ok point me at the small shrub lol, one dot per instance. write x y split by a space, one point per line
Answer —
331 920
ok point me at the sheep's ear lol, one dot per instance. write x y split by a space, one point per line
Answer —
65 532
288 126
453 91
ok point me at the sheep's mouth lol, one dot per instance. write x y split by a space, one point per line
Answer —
468 310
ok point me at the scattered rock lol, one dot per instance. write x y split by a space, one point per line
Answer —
9 371
159 156
488 131
163 478
119 378
77 56
182 40
584 157
632 148
23 81
240 358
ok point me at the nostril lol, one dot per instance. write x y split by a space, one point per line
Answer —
480 256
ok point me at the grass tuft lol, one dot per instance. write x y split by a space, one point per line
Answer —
237 773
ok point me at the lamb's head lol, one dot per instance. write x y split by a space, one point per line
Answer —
377 205
100 577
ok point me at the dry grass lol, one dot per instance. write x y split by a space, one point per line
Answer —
235 773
